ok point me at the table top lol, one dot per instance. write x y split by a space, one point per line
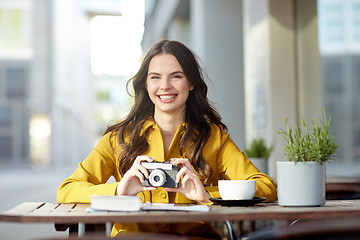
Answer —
31 212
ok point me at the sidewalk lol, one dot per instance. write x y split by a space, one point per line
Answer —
29 184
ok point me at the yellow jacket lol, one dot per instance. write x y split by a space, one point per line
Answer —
220 152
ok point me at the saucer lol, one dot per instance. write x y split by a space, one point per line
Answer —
238 203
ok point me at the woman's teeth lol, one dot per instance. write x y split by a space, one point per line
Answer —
166 97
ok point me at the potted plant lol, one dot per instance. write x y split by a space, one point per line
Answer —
301 180
258 152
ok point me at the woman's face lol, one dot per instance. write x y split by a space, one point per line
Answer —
167 85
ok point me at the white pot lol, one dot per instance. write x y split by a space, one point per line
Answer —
301 184
261 164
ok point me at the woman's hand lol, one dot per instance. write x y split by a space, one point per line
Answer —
130 184
191 185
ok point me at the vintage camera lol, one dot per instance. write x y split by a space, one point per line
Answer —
161 174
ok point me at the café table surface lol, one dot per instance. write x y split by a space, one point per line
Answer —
68 213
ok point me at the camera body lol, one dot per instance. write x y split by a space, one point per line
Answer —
161 174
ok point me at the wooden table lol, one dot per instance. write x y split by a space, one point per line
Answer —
40 212
342 187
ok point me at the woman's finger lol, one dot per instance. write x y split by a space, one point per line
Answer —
167 189
185 179
143 158
143 171
181 173
137 164
140 176
181 161
148 188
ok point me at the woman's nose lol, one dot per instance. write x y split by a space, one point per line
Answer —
165 83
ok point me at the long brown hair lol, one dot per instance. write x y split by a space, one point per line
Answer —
199 113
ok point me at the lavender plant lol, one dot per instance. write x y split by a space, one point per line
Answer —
314 144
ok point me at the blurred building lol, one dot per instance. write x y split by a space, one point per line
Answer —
339 38
47 89
265 59
15 61
265 63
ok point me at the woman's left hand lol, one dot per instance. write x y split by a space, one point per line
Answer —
191 185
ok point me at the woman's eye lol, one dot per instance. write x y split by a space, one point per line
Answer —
176 76
154 77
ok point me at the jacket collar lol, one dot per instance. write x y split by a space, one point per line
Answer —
151 124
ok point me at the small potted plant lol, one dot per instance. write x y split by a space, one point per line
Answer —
258 152
301 180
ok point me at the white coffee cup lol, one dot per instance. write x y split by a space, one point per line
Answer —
237 189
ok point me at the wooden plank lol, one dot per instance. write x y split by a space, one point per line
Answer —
44 209
80 208
24 208
62 209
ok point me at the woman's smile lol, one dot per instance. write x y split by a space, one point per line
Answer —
166 98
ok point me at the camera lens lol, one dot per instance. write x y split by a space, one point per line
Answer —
157 178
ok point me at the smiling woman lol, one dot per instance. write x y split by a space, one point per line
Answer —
171 120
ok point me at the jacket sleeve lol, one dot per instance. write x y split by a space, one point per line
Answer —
91 176
231 163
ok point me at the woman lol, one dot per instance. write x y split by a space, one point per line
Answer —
171 120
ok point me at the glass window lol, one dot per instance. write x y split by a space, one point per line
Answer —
332 71
15 83
5 146
339 39
15 24
5 117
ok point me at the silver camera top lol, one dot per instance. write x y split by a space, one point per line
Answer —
157 165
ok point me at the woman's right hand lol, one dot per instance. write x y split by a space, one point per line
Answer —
130 183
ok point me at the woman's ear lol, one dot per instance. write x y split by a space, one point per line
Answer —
191 87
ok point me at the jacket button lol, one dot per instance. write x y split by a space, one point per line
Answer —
162 195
